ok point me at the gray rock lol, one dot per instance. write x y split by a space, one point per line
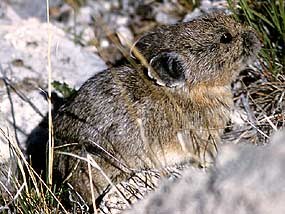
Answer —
246 179
23 71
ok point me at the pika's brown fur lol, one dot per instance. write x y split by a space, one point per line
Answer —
132 118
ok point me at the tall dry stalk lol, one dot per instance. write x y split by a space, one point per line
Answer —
50 128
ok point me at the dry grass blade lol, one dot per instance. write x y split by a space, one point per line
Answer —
93 163
24 193
122 165
91 185
262 98
50 128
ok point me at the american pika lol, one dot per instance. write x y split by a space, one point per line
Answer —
131 118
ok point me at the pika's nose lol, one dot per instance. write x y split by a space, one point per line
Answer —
251 41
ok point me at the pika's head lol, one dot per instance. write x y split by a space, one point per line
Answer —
212 48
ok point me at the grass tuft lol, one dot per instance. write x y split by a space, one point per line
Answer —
268 19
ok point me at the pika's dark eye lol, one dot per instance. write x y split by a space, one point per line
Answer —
226 38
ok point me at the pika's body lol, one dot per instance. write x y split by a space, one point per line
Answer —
151 116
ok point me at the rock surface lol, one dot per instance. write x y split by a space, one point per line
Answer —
23 74
246 179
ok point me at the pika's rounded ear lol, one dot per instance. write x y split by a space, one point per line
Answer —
167 69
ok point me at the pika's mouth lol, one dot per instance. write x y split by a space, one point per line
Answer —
251 44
